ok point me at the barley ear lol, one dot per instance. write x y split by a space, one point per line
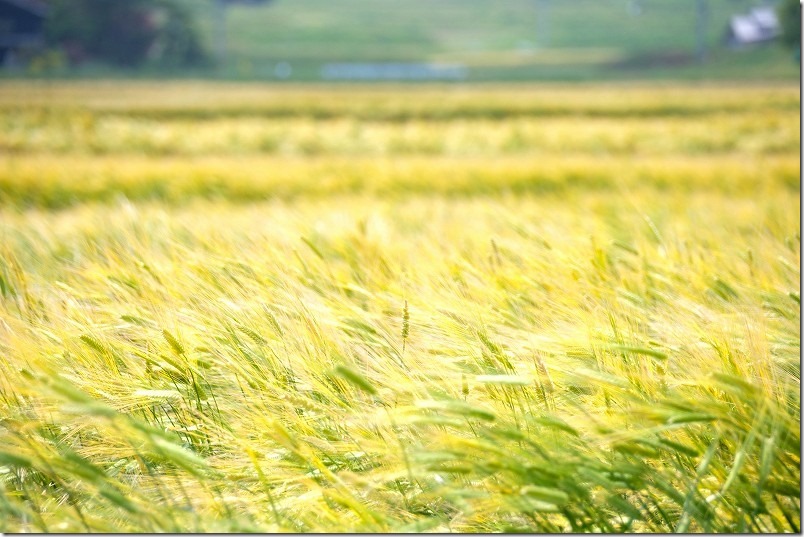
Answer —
405 326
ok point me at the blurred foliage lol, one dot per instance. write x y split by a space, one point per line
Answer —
127 34
790 15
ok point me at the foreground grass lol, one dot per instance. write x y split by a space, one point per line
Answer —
436 348
222 368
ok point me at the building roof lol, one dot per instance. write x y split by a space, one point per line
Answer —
758 25
744 29
35 7
766 19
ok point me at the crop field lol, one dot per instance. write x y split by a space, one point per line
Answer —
508 40
519 308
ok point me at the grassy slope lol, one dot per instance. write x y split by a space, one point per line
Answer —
585 319
418 29
587 38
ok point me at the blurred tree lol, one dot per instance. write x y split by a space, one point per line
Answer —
790 18
177 42
125 33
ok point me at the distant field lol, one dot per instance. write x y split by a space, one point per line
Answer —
526 308
253 142
510 40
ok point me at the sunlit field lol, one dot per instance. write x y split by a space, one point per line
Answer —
541 309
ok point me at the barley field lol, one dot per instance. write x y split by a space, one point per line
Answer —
246 308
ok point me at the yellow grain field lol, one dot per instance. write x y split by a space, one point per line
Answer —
543 309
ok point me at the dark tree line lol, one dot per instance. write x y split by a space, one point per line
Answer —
126 33
790 18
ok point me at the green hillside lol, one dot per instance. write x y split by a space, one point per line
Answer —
514 39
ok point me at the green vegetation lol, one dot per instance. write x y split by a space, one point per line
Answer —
127 34
250 308
518 40
790 15
417 28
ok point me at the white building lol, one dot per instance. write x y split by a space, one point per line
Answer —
757 26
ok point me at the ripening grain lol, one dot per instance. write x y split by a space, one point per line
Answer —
419 325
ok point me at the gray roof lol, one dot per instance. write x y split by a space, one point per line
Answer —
759 24
36 7
765 18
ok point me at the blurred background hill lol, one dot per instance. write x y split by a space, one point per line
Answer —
472 40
